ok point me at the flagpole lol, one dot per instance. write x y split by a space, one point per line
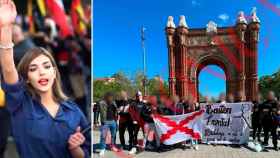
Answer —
144 59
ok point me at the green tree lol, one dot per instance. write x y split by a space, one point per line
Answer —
155 86
270 82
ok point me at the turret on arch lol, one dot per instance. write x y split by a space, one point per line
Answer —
234 49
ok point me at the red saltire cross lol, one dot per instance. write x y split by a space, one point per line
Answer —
180 126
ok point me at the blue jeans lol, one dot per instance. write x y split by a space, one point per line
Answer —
108 125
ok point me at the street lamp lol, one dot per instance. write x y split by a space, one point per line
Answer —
144 60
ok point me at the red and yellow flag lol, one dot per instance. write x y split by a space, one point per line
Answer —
30 16
79 20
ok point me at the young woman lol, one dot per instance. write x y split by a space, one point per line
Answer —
44 123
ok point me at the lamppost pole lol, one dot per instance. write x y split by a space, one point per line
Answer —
144 59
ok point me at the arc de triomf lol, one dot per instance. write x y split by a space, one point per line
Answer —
234 49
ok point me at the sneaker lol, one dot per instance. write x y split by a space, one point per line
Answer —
276 149
102 153
132 151
196 147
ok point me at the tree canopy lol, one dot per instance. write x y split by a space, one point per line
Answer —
155 86
270 82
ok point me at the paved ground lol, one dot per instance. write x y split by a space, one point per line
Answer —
205 151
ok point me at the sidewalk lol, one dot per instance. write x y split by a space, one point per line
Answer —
205 151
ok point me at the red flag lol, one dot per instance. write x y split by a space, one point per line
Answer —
178 128
56 11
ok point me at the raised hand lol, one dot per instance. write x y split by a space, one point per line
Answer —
8 12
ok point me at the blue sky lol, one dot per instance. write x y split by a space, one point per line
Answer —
116 34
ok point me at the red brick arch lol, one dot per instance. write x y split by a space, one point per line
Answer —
234 49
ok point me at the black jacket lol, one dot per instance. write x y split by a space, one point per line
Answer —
137 106
146 113
268 111
256 120
123 106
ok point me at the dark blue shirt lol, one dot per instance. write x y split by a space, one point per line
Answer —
37 134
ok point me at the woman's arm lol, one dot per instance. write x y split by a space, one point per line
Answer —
6 56
7 17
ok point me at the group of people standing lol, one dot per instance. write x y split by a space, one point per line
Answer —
266 117
136 114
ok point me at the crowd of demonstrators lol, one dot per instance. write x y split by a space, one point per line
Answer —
136 114
266 117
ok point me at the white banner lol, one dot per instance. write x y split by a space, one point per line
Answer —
178 128
227 123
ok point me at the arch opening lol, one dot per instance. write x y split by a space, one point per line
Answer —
211 81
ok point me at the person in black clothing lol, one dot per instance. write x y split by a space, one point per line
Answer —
125 120
96 112
135 110
146 113
269 111
256 120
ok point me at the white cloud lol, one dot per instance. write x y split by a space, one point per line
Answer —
195 3
224 17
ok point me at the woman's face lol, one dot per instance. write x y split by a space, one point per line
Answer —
41 74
